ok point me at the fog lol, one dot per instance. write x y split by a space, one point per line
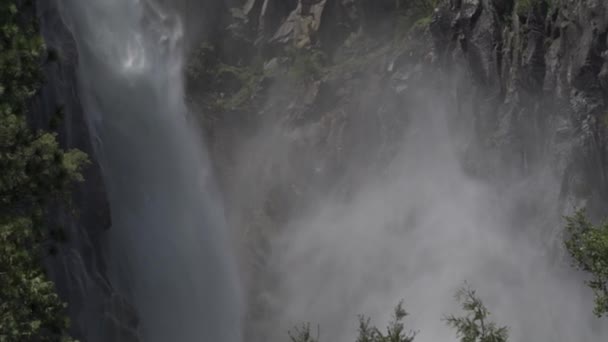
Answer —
416 230
167 248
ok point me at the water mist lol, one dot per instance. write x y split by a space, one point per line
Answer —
168 247
417 230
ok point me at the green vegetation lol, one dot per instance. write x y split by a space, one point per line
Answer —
523 7
412 15
30 310
302 334
395 331
247 79
34 171
201 62
358 54
473 326
588 246
306 64
420 7
422 23
232 86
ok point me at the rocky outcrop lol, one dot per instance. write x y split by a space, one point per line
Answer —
532 73
322 90
77 263
335 80
326 106
539 88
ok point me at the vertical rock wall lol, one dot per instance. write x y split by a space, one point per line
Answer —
97 311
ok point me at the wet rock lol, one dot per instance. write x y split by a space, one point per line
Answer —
301 25
532 70
78 268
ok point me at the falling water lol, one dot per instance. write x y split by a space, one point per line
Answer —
168 249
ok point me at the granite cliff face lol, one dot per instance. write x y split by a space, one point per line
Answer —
309 97
538 86
528 76
78 267
303 98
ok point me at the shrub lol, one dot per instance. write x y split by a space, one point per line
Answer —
34 171
473 326
588 246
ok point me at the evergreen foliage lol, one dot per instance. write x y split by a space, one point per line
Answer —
34 171
395 331
588 246
474 326
302 334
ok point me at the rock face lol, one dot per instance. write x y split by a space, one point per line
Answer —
327 95
326 106
308 96
538 87
97 311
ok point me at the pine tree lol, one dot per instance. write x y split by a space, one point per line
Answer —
34 171
588 246
474 326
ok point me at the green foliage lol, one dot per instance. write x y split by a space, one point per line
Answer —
474 325
201 63
422 23
588 246
34 171
21 49
302 334
248 79
232 86
395 331
34 168
413 14
358 55
30 310
307 64
523 7
421 7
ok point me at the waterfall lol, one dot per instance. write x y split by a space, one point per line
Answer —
168 249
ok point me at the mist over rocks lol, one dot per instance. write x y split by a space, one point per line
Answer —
372 151
485 91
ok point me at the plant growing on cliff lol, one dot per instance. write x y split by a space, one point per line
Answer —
523 7
413 14
306 64
30 310
588 246
231 86
302 334
246 78
420 6
34 171
395 331
473 326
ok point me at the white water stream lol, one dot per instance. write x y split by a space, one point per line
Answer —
168 247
